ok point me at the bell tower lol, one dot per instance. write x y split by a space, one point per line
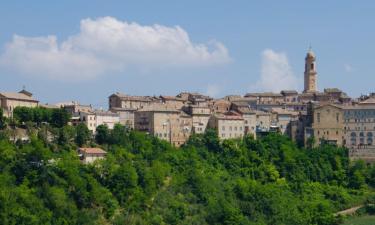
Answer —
310 72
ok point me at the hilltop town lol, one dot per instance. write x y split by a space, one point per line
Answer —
312 117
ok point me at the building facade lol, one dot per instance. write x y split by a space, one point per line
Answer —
229 125
328 125
166 123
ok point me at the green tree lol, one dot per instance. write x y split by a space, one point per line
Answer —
102 134
2 119
23 114
83 134
59 117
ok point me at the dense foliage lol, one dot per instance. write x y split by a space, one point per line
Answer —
147 181
56 117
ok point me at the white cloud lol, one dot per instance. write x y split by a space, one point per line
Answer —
107 45
276 73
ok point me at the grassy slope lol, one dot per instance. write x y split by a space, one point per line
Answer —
361 220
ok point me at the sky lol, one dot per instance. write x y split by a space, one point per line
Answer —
87 50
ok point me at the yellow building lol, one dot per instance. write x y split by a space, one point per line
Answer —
10 100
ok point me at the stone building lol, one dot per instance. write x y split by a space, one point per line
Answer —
166 123
172 101
10 100
74 107
310 73
250 120
200 115
283 118
90 155
266 98
220 106
328 124
228 125
126 105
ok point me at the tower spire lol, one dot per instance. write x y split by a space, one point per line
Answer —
310 72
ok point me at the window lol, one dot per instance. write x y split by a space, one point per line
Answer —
318 117
223 128
337 117
312 66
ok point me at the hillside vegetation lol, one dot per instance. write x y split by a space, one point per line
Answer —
147 181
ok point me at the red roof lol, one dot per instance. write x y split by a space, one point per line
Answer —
92 150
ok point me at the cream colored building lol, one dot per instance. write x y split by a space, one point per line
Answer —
10 100
228 125
166 123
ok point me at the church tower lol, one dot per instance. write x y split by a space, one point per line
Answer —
310 72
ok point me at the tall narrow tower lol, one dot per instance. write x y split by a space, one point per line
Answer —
310 72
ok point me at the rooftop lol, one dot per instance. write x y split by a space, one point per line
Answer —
17 96
97 151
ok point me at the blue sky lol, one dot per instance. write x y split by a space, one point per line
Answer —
65 51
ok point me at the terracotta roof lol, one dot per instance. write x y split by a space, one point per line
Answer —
264 94
18 96
232 115
92 150
173 98
133 98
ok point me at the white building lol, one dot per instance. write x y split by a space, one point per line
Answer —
96 118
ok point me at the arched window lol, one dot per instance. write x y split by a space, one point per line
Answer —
353 134
369 134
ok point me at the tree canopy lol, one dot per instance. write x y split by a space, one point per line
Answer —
144 180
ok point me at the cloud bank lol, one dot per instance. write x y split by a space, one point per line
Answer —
276 73
106 45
